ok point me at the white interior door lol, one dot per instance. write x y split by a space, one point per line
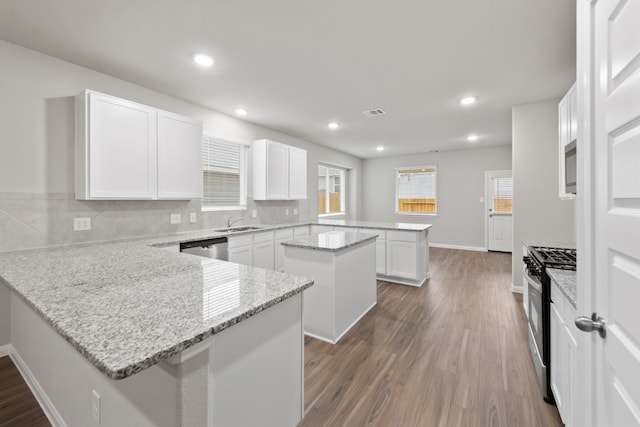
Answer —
499 197
616 212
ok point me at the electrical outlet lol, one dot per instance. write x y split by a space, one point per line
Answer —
481 199
176 218
254 213
95 406
193 217
286 211
81 224
295 211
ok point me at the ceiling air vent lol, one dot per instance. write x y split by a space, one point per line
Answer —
374 113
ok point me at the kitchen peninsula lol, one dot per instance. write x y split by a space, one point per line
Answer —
210 342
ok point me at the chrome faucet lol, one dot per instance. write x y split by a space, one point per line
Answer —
231 221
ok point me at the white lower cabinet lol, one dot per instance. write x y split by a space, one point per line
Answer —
263 256
283 235
241 249
564 348
381 256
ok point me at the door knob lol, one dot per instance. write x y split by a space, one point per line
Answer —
594 323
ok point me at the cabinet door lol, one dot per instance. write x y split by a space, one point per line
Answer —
241 255
285 235
179 157
573 114
402 259
263 255
558 348
297 173
381 258
122 149
277 171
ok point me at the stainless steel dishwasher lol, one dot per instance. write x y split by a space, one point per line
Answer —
216 247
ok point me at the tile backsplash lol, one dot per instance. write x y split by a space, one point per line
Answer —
31 220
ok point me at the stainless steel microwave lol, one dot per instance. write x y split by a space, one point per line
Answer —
570 167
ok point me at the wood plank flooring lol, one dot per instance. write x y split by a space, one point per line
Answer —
452 353
18 407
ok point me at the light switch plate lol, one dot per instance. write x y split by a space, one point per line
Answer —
286 211
193 217
82 224
254 213
176 218
481 199
295 211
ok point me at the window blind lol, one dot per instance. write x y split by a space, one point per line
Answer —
502 194
221 161
417 183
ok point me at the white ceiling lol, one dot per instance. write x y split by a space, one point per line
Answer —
295 65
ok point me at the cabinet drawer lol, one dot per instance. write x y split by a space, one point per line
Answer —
237 241
402 236
284 233
262 236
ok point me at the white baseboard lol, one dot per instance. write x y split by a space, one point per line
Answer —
45 403
5 350
517 289
459 247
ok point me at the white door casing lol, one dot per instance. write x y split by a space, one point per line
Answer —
609 96
499 226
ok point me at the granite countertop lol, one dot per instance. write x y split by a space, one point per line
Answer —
126 305
399 226
332 241
566 281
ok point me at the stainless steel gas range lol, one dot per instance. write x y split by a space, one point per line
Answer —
538 288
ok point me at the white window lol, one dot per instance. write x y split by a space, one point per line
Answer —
416 190
224 174
331 191
502 195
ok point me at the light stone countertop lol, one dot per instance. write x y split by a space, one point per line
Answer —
126 305
332 241
566 282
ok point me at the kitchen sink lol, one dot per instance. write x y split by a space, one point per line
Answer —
237 229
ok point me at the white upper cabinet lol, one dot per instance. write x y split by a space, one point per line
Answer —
130 151
179 157
297 173
279 171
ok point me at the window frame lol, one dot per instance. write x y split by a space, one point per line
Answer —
330 186
397 185
244 154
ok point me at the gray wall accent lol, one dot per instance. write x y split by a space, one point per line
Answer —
37 203
538 212
460 221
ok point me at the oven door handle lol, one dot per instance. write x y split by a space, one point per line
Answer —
536 286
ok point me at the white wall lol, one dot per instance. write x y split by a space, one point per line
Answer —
460 221
538 212
37 157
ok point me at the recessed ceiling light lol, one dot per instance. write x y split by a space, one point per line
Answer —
204 60
333 125
468 100
472 138
380 148
241 111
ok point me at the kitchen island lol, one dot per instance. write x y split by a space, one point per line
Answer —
343 266
126 333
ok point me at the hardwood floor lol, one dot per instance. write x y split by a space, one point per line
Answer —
18 407
452 353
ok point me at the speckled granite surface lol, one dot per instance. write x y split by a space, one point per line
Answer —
398 226
126 306
332 241
566 281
